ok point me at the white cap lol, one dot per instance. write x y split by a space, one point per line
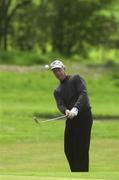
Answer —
56 64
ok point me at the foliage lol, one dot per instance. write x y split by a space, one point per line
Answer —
67 27
78 24
6 14
21 58
27 58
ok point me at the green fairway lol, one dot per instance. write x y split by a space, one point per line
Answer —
39 149
36 151
37 178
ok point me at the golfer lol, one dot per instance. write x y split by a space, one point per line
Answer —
72 100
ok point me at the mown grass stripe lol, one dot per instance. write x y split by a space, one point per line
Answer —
13 177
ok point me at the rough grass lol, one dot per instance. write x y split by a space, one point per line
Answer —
31 91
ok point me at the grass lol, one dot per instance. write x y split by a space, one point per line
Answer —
38 178
30 91
36 152
28 149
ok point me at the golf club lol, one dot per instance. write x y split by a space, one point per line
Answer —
48 120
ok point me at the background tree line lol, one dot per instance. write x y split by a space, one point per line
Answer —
64 26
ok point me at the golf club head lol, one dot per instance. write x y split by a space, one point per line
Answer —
35 119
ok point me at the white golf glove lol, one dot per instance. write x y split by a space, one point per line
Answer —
71 113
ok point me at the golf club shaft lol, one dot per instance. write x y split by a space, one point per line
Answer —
53 119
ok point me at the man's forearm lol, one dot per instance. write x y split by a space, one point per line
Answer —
80 101
62 108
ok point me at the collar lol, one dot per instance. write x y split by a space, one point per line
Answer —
65 79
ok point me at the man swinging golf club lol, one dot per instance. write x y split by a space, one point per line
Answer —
72 100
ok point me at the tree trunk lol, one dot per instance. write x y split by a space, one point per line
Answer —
5 19
3 24
5 37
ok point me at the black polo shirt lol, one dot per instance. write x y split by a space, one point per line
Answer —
70 93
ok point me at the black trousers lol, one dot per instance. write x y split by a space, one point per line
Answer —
77 141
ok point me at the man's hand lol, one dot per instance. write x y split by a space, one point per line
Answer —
71 113
67 113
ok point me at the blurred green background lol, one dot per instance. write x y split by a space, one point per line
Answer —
85 36
36 31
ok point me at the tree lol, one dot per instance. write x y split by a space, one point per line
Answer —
78 23
68 26
31 27
7 11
